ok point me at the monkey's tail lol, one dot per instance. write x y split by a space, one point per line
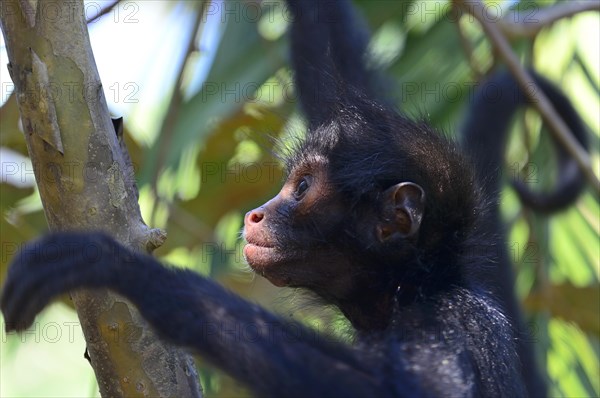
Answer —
484 137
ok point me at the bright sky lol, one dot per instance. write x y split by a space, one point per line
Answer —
138 49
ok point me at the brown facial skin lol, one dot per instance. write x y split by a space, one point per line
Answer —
287 241
295 240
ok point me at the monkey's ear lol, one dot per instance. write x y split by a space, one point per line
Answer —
403 206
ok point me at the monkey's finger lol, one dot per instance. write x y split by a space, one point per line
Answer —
47 268
14 302
28 289
37 257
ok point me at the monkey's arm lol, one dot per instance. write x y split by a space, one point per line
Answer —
274 357
329 48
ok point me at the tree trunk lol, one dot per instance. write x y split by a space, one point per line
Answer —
86 182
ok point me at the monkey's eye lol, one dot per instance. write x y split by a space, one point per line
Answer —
302 187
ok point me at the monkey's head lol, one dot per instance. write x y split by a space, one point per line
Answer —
368 197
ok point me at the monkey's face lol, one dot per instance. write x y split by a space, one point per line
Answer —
309 236
291 239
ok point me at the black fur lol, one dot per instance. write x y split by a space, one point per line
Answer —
425 322
488 119
483 138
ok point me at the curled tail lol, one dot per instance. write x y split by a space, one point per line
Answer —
484 136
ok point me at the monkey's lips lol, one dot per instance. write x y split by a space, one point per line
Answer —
263 259
259 255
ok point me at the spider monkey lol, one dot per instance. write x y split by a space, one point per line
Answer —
380 216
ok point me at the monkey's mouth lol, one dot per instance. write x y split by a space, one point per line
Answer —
259 255
264 260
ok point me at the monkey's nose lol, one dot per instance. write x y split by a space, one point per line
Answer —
254 216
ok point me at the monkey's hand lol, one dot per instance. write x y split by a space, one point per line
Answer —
54 265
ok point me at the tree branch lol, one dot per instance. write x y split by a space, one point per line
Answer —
557 126
85 183
526 24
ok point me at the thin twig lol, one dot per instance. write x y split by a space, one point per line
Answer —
104 11
528 23
557 126
469 51
165 135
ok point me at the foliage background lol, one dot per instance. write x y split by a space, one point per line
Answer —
203 158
